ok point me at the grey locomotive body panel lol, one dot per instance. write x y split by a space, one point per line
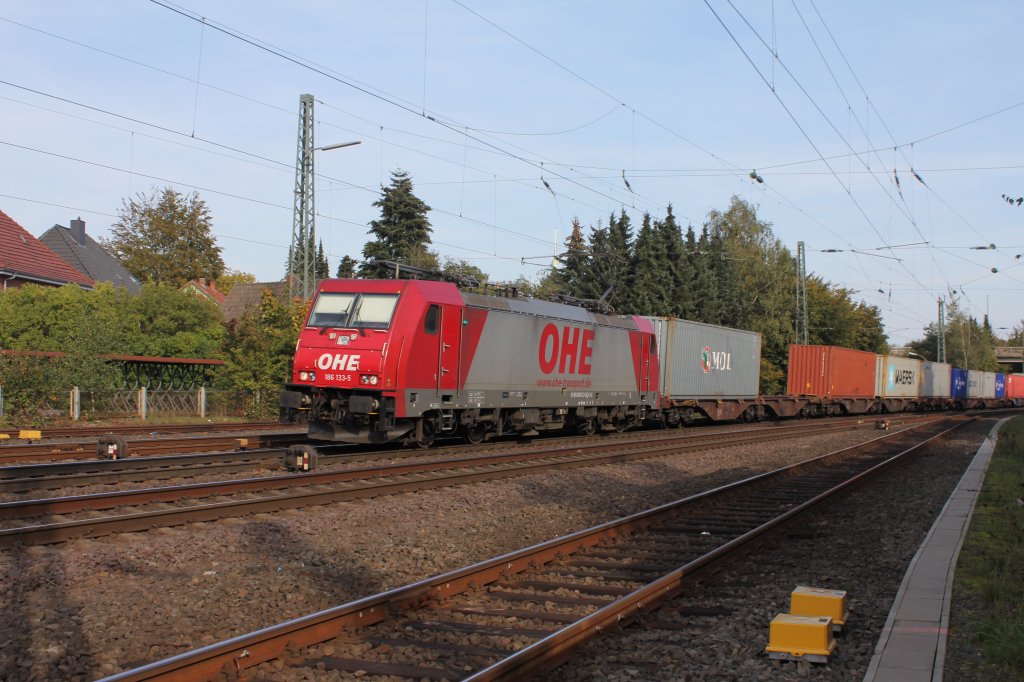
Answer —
707 361
584 359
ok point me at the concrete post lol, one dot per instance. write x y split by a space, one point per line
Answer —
142 402
76 403
202 401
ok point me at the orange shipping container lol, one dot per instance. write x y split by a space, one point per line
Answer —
1015 385
831 371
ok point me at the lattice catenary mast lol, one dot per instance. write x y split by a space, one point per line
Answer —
941 353
801 294
301 257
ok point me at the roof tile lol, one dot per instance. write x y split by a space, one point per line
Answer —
23 254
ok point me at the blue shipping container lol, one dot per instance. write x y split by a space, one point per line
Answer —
958 383
1000 385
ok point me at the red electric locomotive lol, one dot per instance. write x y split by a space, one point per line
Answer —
383 360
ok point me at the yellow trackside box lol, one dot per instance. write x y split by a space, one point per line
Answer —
814 601
4 436
30 435
803 638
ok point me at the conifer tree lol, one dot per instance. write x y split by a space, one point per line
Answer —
647 291
670 242
569 278
346 268
403 230
596 276
322 266
618 257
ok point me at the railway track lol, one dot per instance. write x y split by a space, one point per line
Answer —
522 613
64 450
47 520
56 475
146 429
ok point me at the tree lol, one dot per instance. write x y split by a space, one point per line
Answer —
835 320
568 277
648 290
403 231
765 283
670 239
969 344
161 320
231 277
165 236
346 268
464 273
257 352
322 266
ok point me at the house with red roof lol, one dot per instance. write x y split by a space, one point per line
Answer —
205 289
26 260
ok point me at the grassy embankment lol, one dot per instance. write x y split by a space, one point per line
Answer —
991 568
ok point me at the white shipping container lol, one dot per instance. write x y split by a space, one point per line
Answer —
897 377
981 384
988 386
935 380
706 361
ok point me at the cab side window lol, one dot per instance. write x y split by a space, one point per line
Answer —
431 323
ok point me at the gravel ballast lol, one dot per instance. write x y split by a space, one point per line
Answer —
93 607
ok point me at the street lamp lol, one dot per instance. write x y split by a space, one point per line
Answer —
911 353
329 147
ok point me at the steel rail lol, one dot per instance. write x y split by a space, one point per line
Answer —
57 450
352 484
232 656
77 431
28 477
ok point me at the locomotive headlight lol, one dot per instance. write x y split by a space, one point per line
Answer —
368 379
373 379
304 376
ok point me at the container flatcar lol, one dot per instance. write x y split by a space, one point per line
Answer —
706 369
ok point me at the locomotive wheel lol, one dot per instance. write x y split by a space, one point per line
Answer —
474 433
588 427
427 439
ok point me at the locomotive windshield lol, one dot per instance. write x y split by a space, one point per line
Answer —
371 311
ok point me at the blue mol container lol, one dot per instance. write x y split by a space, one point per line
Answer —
958 383
1000 385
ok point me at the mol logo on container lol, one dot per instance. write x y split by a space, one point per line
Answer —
715 360
567 349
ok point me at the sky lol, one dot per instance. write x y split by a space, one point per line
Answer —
515 118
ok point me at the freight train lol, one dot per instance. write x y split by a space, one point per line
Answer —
412 360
